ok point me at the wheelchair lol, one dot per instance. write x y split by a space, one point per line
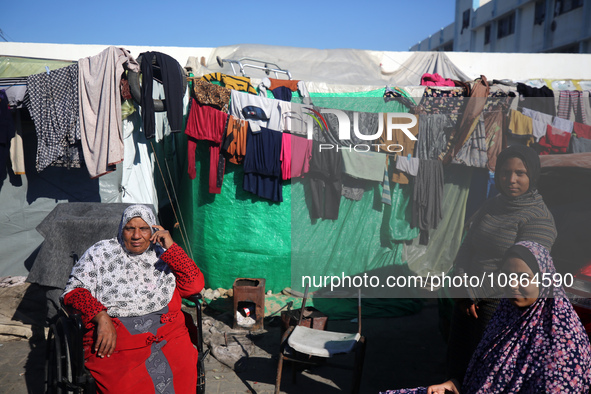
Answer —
64 360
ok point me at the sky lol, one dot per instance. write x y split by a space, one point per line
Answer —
383 25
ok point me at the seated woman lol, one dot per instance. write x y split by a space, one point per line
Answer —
534 343
129 291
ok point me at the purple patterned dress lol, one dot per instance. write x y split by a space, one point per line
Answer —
542 348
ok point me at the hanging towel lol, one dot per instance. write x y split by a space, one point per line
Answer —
364 165
100 108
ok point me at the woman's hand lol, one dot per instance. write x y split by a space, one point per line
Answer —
106 335
443 388
162 237
466 305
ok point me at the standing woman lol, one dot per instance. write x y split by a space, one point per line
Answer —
129 291
517 214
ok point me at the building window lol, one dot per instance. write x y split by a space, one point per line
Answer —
506 26
465 20
487 35
563 6
540 13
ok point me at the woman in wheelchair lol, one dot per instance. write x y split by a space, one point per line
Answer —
128 290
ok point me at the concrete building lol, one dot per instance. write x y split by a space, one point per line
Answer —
525 26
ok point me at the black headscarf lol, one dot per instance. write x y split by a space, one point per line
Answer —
524 254
530 160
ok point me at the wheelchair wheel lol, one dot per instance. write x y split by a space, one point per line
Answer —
200 375
54 362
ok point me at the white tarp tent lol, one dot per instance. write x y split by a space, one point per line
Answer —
337 70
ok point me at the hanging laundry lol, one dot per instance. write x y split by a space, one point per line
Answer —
207 93
231 82
495 138
16 89
540 121
474 152
555 141
17 152
296 153
442 101
262 111
468 119
291 84
408 165
399 138
579 145
137 169
205 123
432 137
234 139
563 124
100 108
521 126
364 165
582 130
538 99
571 101
400 96
262 164
367 124
7 133
172 79
53 105
427 197
325 182
294 117
435 80
282 93
353 188
386 196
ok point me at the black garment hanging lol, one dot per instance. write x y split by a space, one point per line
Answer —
172 80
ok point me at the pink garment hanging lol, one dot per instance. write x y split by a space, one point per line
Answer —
435 80
301 153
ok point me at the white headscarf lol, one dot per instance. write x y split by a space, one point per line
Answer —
126 284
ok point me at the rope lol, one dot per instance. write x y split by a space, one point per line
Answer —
170 199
